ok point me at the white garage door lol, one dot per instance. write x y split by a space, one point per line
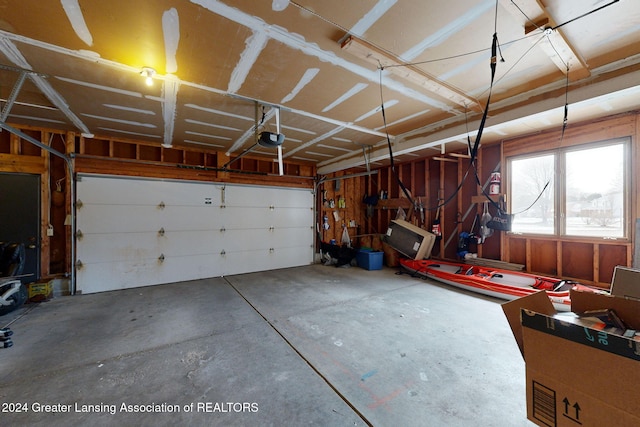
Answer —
137 232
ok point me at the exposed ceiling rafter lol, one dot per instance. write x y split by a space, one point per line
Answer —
554 43
379 58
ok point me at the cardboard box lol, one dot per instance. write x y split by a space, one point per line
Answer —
409 240
391 256
39 292
626 282
576 375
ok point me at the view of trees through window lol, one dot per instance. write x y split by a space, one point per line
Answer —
592 190
533 178
595 192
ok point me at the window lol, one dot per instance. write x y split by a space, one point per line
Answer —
532 194
588 200
594 202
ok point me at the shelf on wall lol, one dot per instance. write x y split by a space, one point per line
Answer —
393 203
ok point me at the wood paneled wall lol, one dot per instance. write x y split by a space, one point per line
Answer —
122 157
431 181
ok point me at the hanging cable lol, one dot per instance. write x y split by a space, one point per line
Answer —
391 162
473 149
584 14
565 121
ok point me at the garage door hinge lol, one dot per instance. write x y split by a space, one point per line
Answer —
79 235
79 265
161 258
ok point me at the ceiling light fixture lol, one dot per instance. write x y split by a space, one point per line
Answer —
148 73
279 5
374 55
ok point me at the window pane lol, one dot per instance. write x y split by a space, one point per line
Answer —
528 179
595 192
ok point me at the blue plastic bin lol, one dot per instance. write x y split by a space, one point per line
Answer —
369 260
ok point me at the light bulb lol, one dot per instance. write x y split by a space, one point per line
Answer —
148 73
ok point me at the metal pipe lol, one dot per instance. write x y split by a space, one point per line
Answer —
244 153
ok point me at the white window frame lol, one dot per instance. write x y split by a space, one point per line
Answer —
560 188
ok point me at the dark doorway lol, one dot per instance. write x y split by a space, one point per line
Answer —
20 218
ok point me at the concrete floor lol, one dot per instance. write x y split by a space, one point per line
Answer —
314 345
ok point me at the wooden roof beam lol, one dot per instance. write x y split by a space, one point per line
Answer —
379 58
554 44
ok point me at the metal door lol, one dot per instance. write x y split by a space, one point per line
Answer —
20 217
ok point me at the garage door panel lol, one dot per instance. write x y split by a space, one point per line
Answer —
266 197
287 237
117 218
267 259
136 218
109 191
246 217
104 276
122 247
262 260
291 217
246 239
126 246
301 253
139 232
258 239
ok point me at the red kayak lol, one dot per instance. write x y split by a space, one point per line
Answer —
504 284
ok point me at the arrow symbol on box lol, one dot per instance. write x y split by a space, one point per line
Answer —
575 406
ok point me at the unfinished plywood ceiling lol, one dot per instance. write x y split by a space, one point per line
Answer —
220 69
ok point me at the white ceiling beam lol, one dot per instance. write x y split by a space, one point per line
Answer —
11 51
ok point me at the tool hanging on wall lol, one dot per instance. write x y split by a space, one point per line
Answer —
325 222
435 228
485 230
346 240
